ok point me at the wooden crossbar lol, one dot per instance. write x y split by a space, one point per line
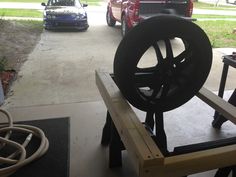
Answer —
220 105
144 153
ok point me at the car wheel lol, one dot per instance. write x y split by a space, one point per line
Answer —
109 18
124 27
175 76
85 29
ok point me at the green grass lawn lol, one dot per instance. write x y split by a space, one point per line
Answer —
21 13
201 5
212 16
219 37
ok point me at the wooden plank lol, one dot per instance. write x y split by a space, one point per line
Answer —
191 163
147 138
111 96
220 105
123 116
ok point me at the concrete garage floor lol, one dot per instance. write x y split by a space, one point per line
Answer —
58 80
185 125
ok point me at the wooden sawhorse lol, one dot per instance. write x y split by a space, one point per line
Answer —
228 60
128 132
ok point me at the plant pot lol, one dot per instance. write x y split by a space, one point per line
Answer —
7 77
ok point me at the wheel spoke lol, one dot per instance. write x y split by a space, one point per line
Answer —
144 76
146 70
169 51
181 66
165 90
156 91
158 52
184 55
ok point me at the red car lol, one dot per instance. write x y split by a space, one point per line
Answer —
130 12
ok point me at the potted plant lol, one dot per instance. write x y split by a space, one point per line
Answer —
6 76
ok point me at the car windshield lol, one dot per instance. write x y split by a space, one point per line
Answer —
63 3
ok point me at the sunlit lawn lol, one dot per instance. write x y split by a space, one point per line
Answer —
220 33
201 5
21 13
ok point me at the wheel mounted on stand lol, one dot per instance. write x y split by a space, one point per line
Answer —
178 68
159 65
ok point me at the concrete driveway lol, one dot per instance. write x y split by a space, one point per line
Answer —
61 67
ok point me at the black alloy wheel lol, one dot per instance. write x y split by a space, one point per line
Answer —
176 75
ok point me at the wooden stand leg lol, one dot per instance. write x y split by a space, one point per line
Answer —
106 133
222 84
220 119
234 171
149 120
223 172
160 137
115 148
